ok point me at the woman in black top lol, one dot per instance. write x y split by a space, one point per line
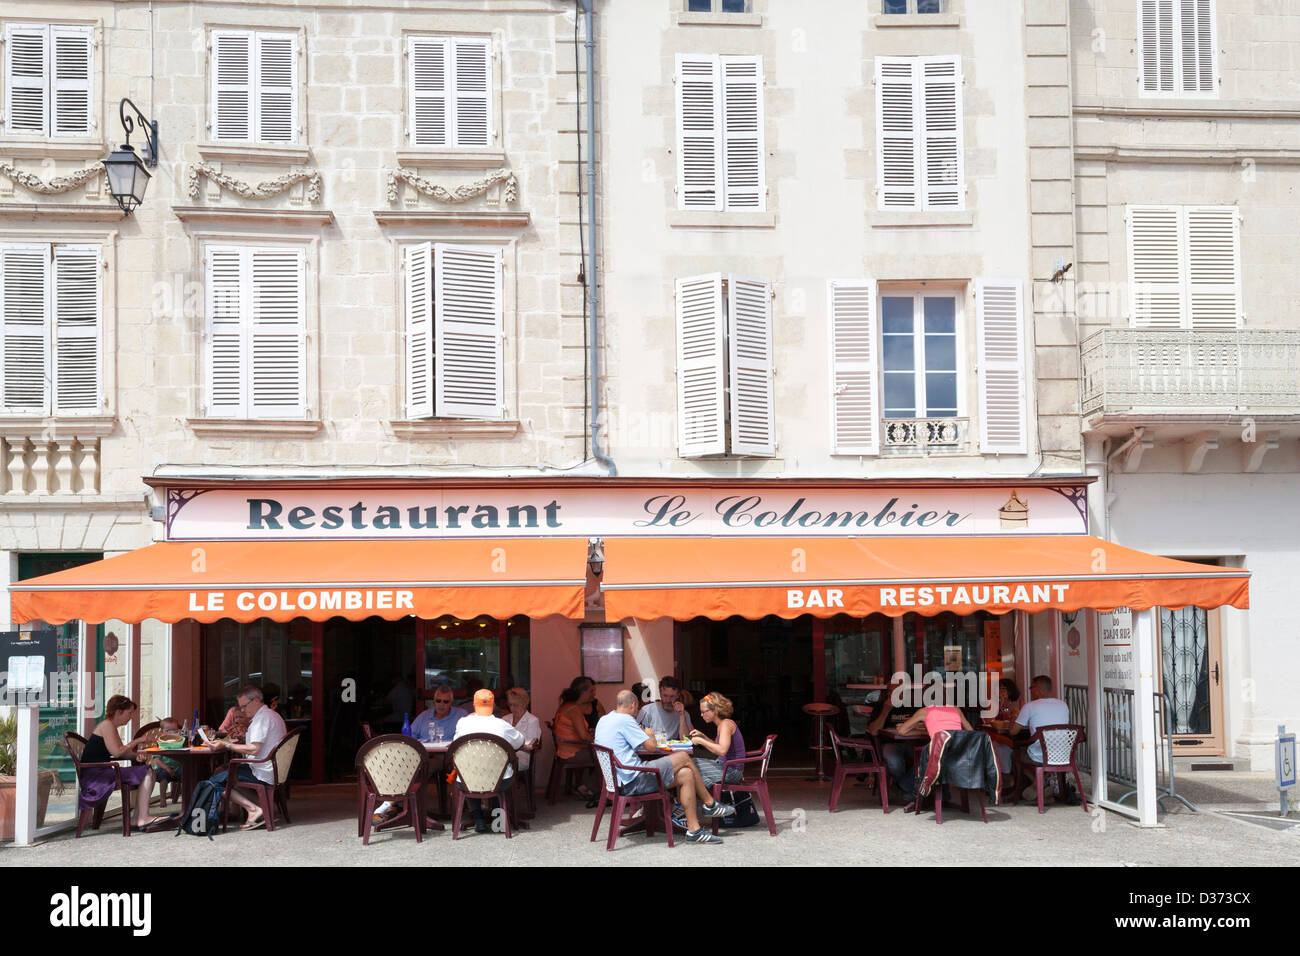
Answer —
105 745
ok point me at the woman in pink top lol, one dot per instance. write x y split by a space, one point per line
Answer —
936 719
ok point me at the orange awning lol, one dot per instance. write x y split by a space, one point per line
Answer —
318 580
716 578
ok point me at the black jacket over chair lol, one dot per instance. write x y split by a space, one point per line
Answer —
966 762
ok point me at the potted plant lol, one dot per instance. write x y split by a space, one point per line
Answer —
46 780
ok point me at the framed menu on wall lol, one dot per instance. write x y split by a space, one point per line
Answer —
602 652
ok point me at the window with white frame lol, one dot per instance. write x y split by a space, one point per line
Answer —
897 357
913 6
1185 262
49 80
50 348
1179 56
724 366
720 160
255 92
718 6
454 338
255 332
919 153
449 91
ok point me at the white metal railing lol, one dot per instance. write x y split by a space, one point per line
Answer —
921 435
1243 370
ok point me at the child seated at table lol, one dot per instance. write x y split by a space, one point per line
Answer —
165 770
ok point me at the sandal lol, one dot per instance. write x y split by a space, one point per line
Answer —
586 791
257 824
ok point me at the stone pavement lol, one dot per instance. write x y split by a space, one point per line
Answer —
324 834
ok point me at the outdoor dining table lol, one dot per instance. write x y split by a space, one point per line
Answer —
197 763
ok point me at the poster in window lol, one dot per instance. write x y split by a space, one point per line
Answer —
952 657
602 653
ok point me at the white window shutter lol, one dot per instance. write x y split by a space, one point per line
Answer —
77 329
749 352
699 132
277 334
1213 268
427 91
226 276
232 85
897 129
943 186
24 340
854 367
701 330
276 102
1156 35
468 325
471 104
1155 256
1196 42
1003 419
419 330
27 84
744 174
72 87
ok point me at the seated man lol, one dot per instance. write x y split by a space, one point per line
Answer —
441 716
668 716
265 729
898 756
1043 710
619 731
484 721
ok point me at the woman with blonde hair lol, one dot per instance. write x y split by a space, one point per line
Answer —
522 720
728 745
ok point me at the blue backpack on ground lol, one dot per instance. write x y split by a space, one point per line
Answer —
201 820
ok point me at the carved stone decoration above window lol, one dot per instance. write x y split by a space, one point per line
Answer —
263 190
59 184
457 194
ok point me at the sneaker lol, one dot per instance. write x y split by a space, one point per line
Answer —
482 826
702 836
717 809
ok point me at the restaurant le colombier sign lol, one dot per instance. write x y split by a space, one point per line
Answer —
281 514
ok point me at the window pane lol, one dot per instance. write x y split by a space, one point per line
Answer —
929 6
894 6
940 315
900 395
699 6
941 353
896 314
733 6
900 353
941 395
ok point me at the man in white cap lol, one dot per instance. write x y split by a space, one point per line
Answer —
484 721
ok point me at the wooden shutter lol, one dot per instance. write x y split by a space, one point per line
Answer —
468 324
72 97
1001 366
419 331
742 133
944 180
1196 46
427 91
232 85
24 340
854 367
1213 267
749 353
77 329
1156 32
701 329
277 334
699 132
472 100
897 128
1155 255
27 81
227 282
277 87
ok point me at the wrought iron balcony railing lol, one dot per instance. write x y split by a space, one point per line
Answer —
925 435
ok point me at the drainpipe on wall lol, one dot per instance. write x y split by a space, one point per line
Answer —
593 296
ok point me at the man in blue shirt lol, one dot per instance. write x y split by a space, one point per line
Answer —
619 731
441 716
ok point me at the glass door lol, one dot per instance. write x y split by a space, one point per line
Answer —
1192 679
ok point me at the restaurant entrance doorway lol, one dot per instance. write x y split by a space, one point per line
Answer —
765 667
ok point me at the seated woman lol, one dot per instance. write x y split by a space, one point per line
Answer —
105 745
729 744
522 720
935 720
235 725
572 733
1008 710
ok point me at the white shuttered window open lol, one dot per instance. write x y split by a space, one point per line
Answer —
256 332
468 329
50 346
419 330
920 153
701 367
49 80
1179 55
1003 418
854 396
449 91
749 352
721 158
1185 263
255 86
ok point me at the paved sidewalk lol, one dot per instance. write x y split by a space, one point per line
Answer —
324 834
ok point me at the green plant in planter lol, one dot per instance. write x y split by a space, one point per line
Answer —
9 754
